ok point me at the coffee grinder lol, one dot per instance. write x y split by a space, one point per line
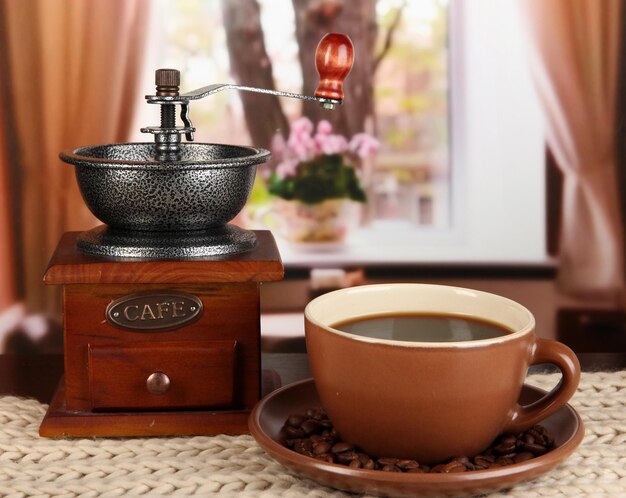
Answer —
161 303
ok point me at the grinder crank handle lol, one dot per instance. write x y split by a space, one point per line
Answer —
333 59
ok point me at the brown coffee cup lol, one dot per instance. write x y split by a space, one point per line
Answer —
429 401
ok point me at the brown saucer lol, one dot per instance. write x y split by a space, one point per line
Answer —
270 414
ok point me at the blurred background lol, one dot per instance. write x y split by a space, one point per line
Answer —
485 137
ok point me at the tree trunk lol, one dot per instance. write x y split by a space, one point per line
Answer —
315 18
251 66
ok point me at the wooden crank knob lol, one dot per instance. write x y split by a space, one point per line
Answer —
333 59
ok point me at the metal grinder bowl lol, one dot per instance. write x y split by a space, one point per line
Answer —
126 188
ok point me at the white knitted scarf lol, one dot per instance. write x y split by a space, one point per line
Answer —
34 466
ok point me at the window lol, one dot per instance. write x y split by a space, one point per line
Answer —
459 176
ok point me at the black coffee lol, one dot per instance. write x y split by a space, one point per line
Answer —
422 328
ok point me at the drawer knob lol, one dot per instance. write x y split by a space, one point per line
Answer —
158 383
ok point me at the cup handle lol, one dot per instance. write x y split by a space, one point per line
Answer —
558 354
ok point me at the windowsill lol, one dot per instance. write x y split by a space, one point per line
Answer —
394 245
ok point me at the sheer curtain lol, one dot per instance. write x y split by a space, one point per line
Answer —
575 64
72 70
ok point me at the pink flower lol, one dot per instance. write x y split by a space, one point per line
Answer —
301 127
332 144
364 145
325 142
287 168
300 144
301 147
324 127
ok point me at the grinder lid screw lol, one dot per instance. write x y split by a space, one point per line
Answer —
167 82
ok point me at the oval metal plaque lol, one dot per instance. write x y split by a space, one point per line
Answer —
148 311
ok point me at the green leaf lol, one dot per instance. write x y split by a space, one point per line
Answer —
323 177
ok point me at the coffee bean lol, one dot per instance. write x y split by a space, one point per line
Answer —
535 449
508 455
321 448
407 464
289 443
390 468
508 438
462 459
293 432
369 465
505 448
313 435
295 420
303 446
483 460
453 466
310 426
504 460
346 456
325 423
470 466
523 457
341 447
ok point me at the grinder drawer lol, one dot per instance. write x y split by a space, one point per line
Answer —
167 375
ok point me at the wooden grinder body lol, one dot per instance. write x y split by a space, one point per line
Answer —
159 347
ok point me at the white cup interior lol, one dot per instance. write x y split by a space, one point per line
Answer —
384 299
